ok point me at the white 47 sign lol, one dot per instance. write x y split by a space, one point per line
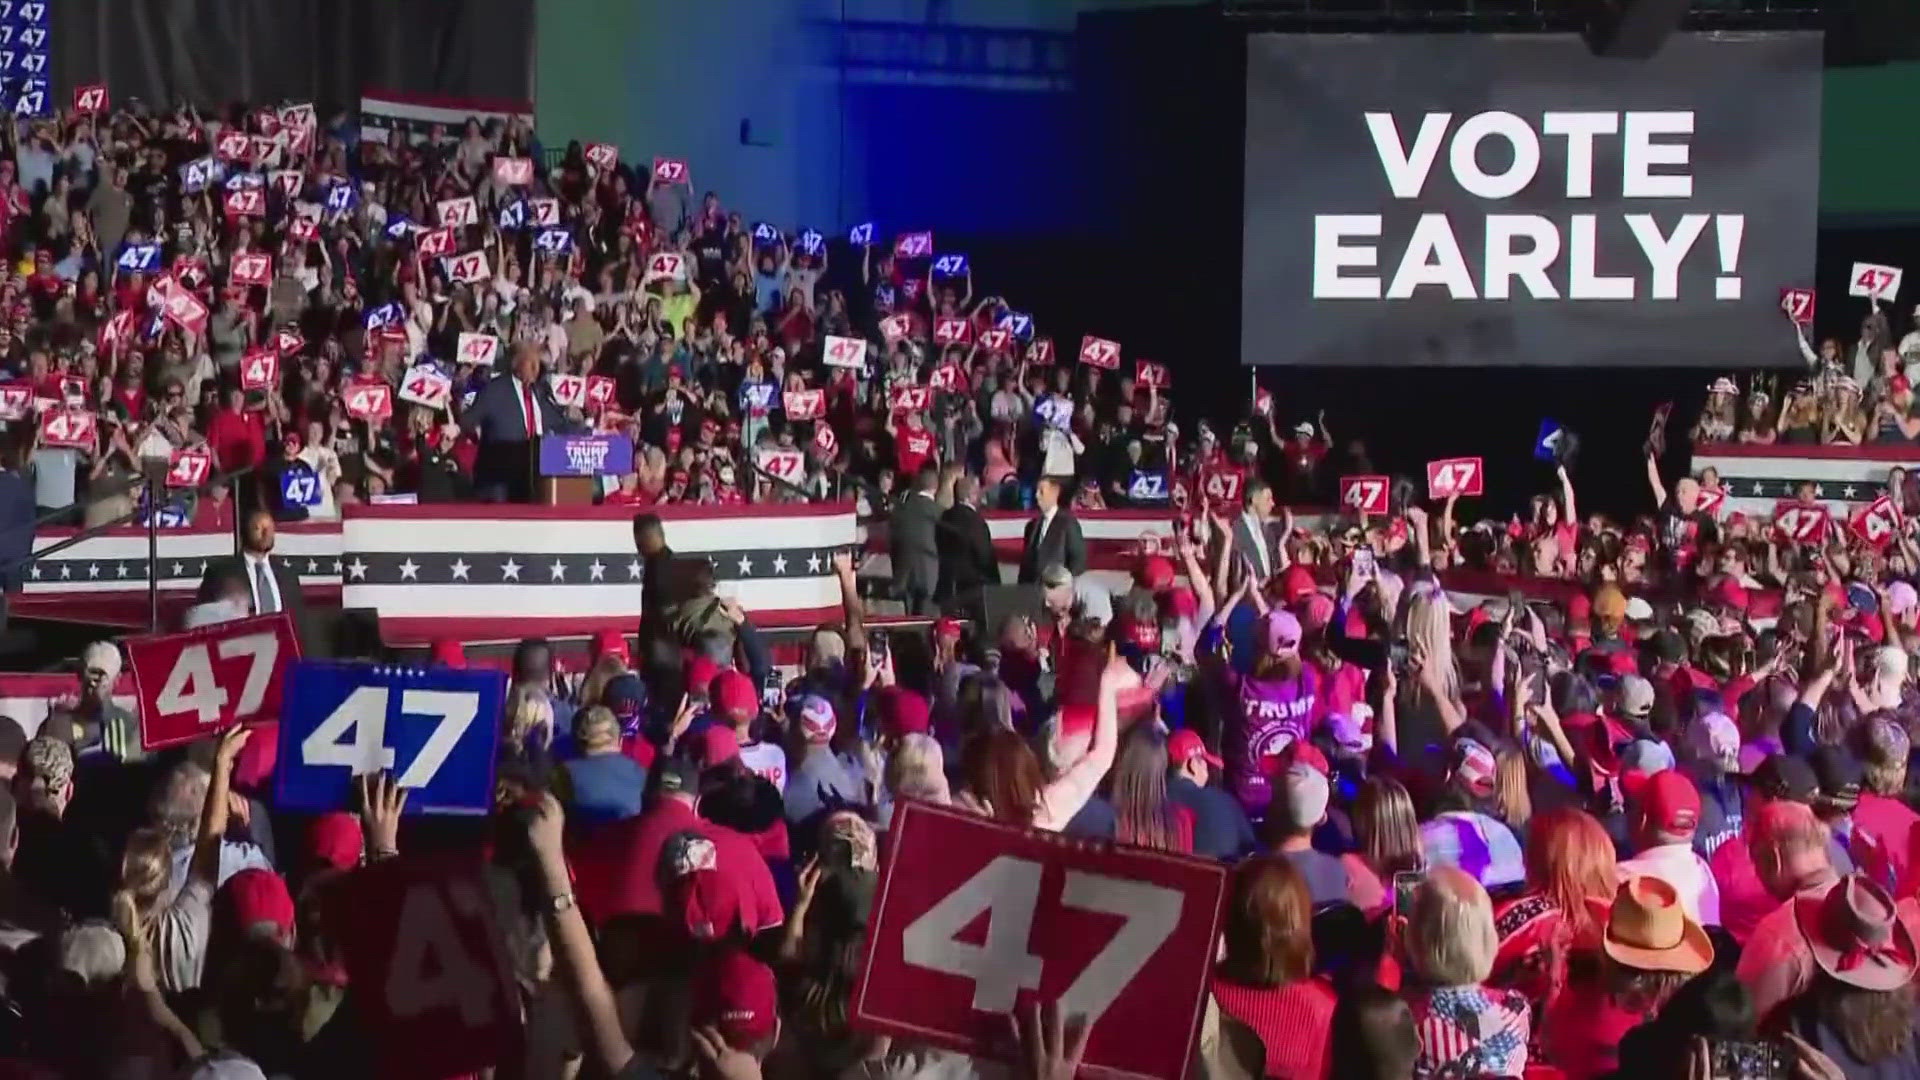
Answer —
1007 891
1872 279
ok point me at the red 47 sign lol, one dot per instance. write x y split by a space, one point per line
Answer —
952 330
1363 494
203 681
72 428
288 341
996 339
251 268
435 242
895 327
369 401
1712 501
1099 352
418 936
1041 351
908 398
913 245
602 156
1121 936
259 369
669 170
1878 522
599 392
233 145
1222 487
1801 524
804 404
1148 373
1449 477
1798 304
189 468
945 377
90 99
15 398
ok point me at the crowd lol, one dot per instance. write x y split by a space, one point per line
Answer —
1851 397
1642 831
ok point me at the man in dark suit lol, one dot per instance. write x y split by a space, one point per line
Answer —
1054 536
508 416
966 548
271 586
1252 543
911 531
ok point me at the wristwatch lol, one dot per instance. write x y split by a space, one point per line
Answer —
558 904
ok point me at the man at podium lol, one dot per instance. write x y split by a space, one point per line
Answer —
508 416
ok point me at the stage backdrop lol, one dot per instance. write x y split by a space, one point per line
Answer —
1462 199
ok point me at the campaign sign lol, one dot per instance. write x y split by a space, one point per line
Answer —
419 939
569 391
232 145
513 172
433 243
475 348
1364 494
545 211
300 487
554 241
600 392
602 156
1712 501
189 467
251 268
812 243
1145 486
1124 937
861 235
783 464
1148 373
72 428
845 352
1451 477
1100 352
425 384
1546 447
895 327
914 245
456 213
469 267
1798 305
665 266
950 266
1800 524
669 170
952 330
1040 352
15 399
1222 487
908 398
945 377
998 339
433 729
805 404
1870 279
368 401
144 258
203 681
825 442
195 175
91 98
585 455
260 369
1878 522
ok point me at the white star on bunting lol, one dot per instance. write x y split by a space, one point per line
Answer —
313 566
813 563
597 570
1848 491
510 569
409 571
358 569
633 570
35 571
746 565
779 564
93 569
558 571
336 566
121 569
460 569
178 569
66 571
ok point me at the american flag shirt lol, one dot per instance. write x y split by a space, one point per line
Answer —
1470 1031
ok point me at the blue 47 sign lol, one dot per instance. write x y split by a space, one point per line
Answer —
434 730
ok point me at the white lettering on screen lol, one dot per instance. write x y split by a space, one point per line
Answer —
1526 255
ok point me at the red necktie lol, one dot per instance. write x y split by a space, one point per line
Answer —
533 423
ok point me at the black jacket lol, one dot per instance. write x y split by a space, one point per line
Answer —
966 552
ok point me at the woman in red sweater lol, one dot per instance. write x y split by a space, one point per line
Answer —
1266 979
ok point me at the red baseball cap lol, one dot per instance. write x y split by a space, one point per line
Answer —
610 643
1297 752
700 673
736 994
256 895
1185 745
904 712
732 695
1154 573
1669 800
335 840
947 626
1297 581
446 652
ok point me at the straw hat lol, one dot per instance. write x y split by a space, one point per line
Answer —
1856 936
1647 928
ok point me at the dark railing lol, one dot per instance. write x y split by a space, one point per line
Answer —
155 481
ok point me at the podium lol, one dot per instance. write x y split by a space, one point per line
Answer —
564 490
565 468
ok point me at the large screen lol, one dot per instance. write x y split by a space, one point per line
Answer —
1453 199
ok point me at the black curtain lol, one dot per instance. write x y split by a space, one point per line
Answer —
214 52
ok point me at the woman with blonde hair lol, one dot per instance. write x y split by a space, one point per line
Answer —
175 929
917 770
1265 975
1430 700
1512 803
529 718
604 670
1388 835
